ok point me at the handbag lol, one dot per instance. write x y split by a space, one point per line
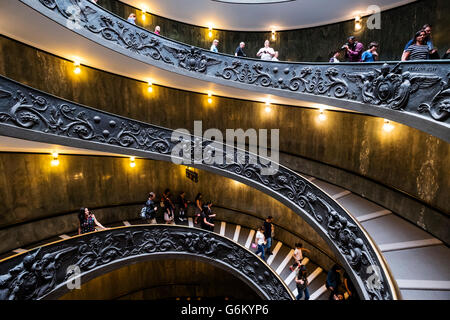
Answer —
254 245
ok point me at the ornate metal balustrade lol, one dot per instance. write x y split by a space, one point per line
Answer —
43 273
414 93
31 114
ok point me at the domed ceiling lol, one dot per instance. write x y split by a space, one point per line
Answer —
262 15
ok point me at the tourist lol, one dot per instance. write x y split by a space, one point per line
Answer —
268 230
239 52
157 30
87 221
333 281
418 50
354 50
182 206
370 55
169 208
275 57
207 217
151 209
334 56
298 255
214 46
132 18
301 282
259 238
266 53
433 54
198 207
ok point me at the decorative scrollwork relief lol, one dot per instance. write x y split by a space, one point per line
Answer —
37 273
29 109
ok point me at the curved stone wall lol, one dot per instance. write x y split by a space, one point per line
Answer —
352 142
164 279
398 25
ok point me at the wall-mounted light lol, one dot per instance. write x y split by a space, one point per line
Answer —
209 98
144 10
55 161
76 68
210 34
387 126
322 117
150 87
358 23
267 108
132 162
274 37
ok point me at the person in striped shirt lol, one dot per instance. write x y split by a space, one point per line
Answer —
418 50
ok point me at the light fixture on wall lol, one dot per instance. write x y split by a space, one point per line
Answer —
150 87
132 162
387 126
322 117
210 34
274 37
358 23
144 10
77 68
55 161
209 97
267 108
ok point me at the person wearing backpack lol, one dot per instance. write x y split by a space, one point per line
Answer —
148 212
301 281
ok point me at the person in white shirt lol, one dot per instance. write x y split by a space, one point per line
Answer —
298 255
275 57
259 238
266 53
132 18
214 46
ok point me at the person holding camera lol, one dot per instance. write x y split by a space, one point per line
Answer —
151 209
354 49
266 53
370 55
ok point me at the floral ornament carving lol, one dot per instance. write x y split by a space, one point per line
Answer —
245 73
110 28
439 108
37 273
312 81
391 88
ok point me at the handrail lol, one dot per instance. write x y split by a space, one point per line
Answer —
27 113
413 93
43 273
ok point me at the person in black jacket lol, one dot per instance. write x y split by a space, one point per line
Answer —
240 50
182 206
333 281
207 217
